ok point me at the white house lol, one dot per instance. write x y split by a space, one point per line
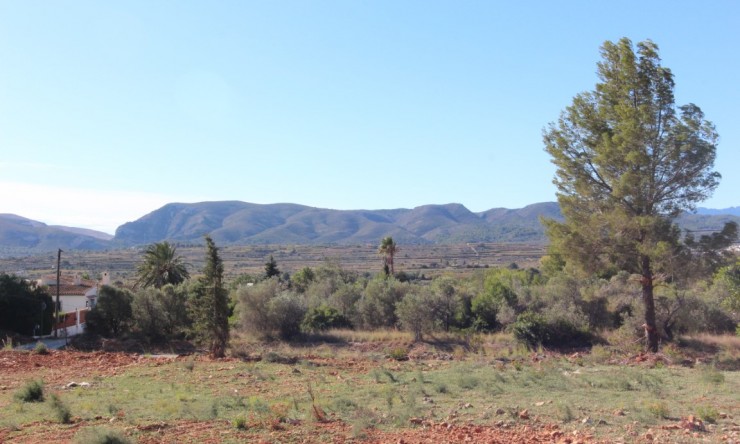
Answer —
74 292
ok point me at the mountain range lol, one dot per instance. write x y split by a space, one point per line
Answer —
236 222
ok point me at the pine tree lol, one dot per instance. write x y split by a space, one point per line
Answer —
210 303
628 162
271 268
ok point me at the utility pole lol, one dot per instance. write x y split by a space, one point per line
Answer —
56 308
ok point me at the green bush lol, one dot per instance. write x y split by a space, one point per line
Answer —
61 411
41 349
240 423
323 318
377 308
31 392
531 329
252 305
416 313
285 313
535 329
268 309
160 313
112 313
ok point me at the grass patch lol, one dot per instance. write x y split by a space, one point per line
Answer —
399 354
256 398
98 435
707 413
659 409
711 375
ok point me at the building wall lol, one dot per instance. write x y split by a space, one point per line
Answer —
70 303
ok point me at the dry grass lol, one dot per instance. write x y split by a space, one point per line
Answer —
353 383
727 343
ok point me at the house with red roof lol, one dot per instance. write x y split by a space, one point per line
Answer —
75 292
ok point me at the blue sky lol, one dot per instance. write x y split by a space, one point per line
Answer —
109 110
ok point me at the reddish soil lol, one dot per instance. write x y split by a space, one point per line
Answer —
60 367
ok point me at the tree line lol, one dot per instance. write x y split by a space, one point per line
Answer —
628 161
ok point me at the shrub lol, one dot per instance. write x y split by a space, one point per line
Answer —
267 309
484 309
41 349
252 305
31 392
149 314
535 329
277 358
399 354
285 313
61 411
240 423
497 293
161 313
531 329
659 409
324 318
707 414
378 306
416 313
112 313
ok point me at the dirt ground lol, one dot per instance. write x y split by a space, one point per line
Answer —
60 367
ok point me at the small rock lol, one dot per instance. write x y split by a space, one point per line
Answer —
586 420
500 411
524 414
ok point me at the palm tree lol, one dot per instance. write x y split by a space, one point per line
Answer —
388 249
161 266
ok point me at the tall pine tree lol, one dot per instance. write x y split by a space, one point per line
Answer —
628 160
210 303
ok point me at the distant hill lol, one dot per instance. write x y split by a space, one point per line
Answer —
733 211
235 223
700 224
19 232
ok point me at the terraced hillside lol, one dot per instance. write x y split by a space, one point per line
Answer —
429 260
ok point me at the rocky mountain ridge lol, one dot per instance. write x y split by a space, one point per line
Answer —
240 223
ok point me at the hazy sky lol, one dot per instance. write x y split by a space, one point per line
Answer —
110 109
